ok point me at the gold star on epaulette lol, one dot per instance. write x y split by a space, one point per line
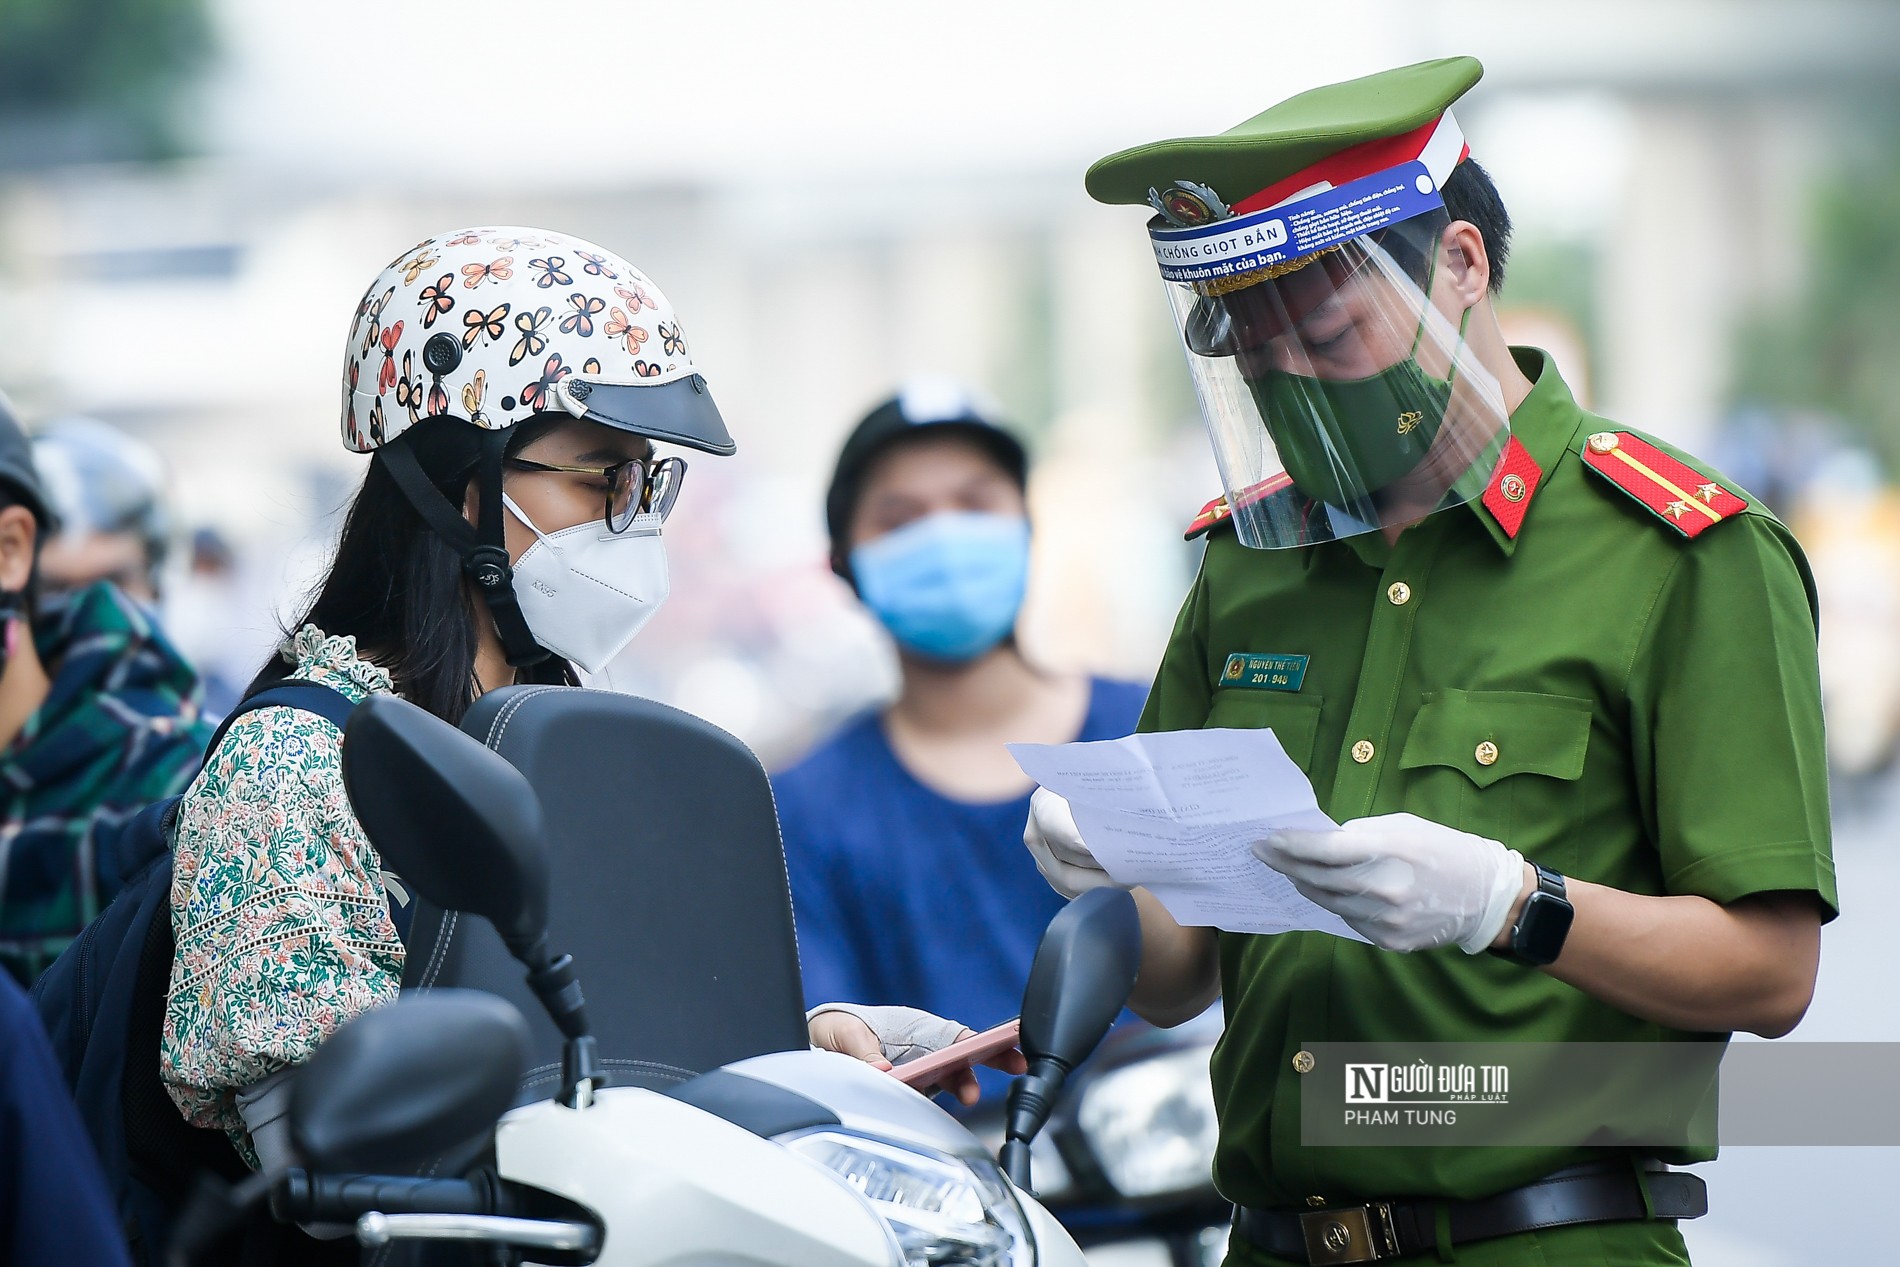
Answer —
1686 499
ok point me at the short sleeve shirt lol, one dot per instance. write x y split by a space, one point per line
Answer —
1613 699
907 896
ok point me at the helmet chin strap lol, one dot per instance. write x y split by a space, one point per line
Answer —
483 554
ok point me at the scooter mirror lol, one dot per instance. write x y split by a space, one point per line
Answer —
407 1082
453 819
1082 975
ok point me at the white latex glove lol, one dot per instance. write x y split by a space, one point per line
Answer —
1404 882
1053 840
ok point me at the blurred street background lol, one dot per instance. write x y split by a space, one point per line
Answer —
837 195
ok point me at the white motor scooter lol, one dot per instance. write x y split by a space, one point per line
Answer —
800 1158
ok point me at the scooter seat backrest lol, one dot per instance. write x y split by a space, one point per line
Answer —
668 888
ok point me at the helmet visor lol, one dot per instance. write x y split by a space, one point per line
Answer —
679 412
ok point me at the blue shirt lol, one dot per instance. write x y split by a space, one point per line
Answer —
906 896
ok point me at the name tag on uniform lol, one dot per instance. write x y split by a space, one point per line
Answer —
1265 672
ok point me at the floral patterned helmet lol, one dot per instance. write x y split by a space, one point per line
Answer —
494 326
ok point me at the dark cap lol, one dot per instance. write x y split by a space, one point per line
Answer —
18 476
922 405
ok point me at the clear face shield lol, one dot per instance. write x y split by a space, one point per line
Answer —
1339 396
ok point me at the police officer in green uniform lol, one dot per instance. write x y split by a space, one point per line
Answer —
1556 680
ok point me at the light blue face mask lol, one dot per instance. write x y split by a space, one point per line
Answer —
948 586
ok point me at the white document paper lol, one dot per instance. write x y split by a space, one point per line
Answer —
1177 812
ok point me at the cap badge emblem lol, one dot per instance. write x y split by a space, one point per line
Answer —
1409 421
1185 204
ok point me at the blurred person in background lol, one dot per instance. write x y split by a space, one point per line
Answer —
98 718
508 529
109 493
903 830
209 614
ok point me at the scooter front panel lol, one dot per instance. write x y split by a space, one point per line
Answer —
676 1186
875 1103
863 1098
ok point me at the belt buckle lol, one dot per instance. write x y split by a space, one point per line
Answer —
1356 1234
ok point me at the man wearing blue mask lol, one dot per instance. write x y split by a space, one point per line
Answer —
916 809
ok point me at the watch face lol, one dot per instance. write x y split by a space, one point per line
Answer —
1539 936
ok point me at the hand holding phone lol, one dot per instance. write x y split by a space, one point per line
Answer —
984 1048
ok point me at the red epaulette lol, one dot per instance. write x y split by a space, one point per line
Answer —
1212 513
1678 494
1218 511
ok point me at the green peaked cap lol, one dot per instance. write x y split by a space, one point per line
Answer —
1289 137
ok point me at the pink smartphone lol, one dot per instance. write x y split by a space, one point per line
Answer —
927 1071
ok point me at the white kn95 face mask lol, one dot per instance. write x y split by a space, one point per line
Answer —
584 591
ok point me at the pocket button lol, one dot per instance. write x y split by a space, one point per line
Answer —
1487 753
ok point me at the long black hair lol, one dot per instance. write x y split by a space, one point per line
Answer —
398 587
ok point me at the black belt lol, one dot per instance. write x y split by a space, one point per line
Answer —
1595 1192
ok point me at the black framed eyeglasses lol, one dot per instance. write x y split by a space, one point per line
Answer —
638 486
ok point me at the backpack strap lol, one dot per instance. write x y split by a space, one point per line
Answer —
312 697
125 850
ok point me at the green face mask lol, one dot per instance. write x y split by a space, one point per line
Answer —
1343 439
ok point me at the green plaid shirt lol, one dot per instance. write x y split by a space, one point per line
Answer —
119 730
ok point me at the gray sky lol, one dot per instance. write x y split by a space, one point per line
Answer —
611 90
591 92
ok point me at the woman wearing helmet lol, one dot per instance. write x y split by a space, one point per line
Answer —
509 385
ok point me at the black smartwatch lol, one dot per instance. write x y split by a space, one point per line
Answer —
1538 936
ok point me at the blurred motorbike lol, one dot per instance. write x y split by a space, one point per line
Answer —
1850 529
1126 1162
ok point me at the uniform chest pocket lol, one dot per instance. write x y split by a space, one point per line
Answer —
1294 719
1504 764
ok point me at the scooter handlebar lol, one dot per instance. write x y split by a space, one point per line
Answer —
302 1197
